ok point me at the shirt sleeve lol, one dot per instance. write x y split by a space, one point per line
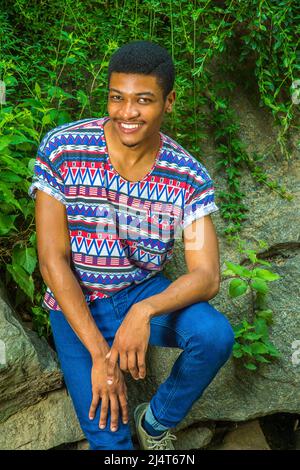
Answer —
201 201
46 177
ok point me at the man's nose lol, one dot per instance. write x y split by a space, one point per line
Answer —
129 111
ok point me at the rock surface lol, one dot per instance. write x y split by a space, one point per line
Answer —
46 424
247 436
29 369
194 437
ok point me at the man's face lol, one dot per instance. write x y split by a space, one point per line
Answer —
136 107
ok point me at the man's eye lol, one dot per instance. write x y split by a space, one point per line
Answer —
144 100
115 97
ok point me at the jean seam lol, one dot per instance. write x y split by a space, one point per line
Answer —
172 392
180 371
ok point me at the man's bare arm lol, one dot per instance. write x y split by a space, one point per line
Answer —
54 253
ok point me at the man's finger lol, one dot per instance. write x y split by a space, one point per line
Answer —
114 410
141 364
104 411
112 361
124 362
124 407
132 364
93 407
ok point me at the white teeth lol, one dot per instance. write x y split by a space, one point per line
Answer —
130 126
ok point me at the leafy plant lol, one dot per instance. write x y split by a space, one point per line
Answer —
252 344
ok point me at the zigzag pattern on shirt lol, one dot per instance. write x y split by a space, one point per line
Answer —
99 178
103 280
112 248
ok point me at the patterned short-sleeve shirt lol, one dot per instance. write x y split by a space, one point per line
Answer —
121 232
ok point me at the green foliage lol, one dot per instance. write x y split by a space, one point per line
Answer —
252 345
54 58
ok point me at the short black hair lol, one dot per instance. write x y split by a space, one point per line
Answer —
146 58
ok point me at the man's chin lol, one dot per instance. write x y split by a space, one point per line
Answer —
127 143
130 145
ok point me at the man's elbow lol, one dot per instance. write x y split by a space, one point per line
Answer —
213 287
209 281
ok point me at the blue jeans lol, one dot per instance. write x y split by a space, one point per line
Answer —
203 333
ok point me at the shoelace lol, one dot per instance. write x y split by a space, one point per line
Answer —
161 443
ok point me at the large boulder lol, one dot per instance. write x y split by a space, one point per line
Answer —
44 425
28 367
35 410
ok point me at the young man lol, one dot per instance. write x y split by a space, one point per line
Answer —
112 194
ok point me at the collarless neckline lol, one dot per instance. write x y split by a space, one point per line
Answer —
112 168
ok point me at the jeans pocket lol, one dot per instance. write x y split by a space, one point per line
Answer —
120 305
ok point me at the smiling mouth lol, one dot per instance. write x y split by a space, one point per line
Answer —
129 128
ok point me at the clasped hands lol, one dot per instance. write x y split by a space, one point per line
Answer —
130 344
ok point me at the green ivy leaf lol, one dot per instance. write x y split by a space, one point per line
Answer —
240 270
260 285
82 98
266 274
259 348
250 366
237 287
272 351
63 117
265 263
37 90
228 272
262 359
266 315
7 223
252 336
23 279
32 239
238 354
261 327
4 142
24 257
19 139
10 177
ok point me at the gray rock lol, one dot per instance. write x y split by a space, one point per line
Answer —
44 425
28 368
247 436
194 437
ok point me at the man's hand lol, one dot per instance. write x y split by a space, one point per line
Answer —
114 396
131 343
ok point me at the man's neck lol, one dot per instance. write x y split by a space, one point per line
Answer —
144 151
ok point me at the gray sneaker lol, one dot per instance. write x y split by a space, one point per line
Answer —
147 442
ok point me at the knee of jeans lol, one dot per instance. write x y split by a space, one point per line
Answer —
226 341
217 340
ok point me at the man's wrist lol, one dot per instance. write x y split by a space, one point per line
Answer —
147 308
99 353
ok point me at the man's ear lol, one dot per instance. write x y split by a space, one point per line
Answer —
170 101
